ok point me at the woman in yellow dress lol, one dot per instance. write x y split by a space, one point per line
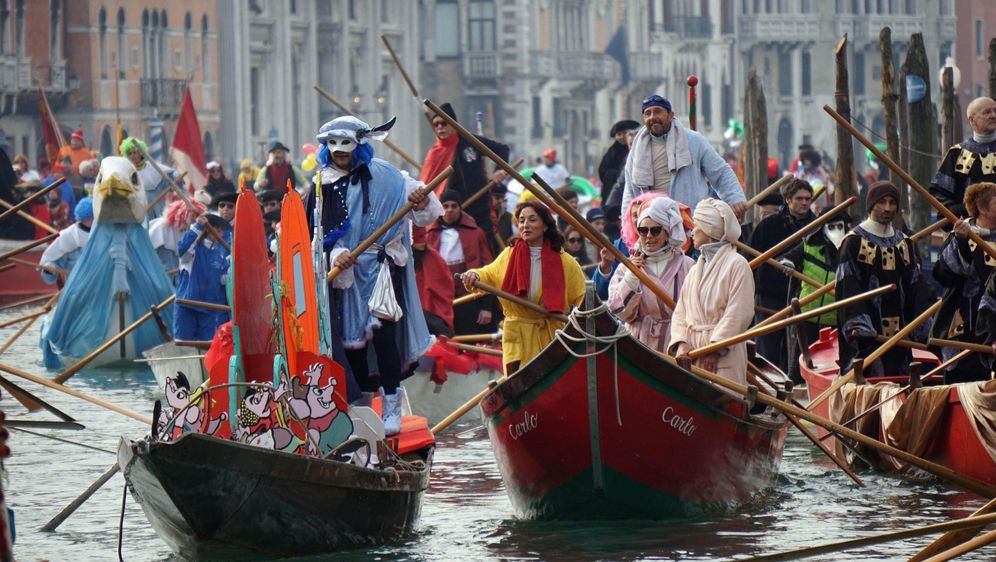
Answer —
534 268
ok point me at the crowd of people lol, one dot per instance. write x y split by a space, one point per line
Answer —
670 203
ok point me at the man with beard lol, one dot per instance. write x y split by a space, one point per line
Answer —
971 161
872 255
670 158
772 285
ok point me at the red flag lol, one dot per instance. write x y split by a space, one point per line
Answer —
51 134
187 149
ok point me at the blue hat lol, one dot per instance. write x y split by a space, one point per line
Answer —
84 209
655 100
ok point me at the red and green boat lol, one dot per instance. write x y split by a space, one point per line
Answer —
624 433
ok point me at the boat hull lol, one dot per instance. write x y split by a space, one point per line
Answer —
632 436
22 281
214 499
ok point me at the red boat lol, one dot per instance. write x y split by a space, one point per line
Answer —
22 281
956 444
624 434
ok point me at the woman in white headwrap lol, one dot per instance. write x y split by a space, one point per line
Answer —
717 300
658 253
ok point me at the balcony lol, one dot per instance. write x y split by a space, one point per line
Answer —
779 28
597 67
164 94
689 27
479 65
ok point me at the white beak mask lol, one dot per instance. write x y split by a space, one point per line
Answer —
341 144
835 232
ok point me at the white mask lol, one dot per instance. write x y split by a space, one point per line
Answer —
341 144
835 232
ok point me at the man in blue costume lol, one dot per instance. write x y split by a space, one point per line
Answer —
203 267
359 194
968 162
66 250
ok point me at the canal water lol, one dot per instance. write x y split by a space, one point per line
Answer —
466 514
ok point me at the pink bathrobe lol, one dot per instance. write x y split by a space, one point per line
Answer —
716 303
648 318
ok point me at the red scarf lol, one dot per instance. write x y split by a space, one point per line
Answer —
440 156
517 276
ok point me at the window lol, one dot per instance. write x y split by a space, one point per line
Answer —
447 29
4 23
102 23
706 103
559 126
481 25
55 28
188 48
205 53
910 7
785 74
19 24
146 45
254 100
727 17
859 74
537 118
806 6
122 44
807 73
980 39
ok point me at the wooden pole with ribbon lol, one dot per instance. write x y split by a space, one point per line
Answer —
387 142
885 347
692 81
405 209
556 203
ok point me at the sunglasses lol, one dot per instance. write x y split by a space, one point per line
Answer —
573 240
652 230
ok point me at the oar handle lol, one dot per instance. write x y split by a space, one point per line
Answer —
797 235
32 198
810 298
556 202
487 188
711 348
355 253
31 218
964 345
459 412
779 266
884 158
202 304
28 246
769 190
515 299
475 348
930 229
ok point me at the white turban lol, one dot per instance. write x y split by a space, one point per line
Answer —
717 219
664 212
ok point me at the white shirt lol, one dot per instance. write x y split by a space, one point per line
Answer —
554 175
450 247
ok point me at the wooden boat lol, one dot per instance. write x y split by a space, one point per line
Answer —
22 281
625 434
955 445
210 498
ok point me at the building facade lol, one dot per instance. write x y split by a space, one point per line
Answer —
977 27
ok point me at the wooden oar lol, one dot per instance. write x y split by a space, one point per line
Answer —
929 229
486 189
162 194
31 199
65 375
884 158
902 390
22 318
777 265
83 396
905 343
964 345
965 547
49 268
210 229
474 348
193 343
459 412
30 245
81 499
30 218
518 300
404 210
803 429
753 333
25 397
24 327
325 94
7 266
468 338
811 297
873 356
30 300
556 203
467 298
787 243
877 539
951 538
769 190
404 75
207 305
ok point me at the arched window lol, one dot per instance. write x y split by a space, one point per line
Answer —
154 57
102 19
146 49
55 28
205 54
188 49
163 45
19 25
122 44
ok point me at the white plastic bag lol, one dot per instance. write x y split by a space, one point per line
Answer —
383 301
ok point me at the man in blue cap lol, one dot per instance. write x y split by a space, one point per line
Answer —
668 157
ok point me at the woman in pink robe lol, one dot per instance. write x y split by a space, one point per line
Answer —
717 300
658 253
